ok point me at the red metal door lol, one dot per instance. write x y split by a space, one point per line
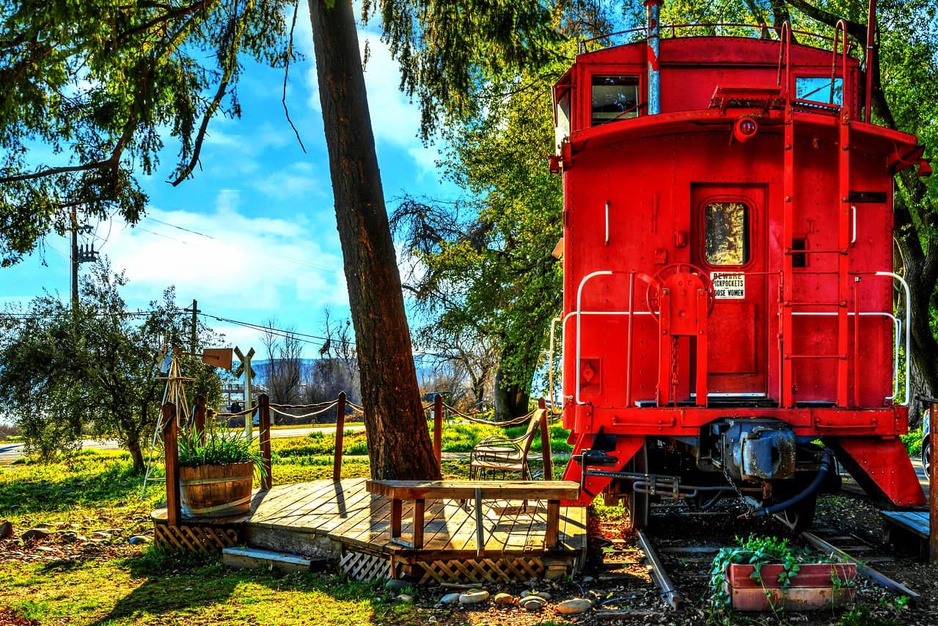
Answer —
729 244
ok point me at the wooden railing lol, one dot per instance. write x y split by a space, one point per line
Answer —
170 430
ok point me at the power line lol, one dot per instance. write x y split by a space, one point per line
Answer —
194 232
280 332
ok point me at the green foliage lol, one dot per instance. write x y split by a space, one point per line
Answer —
913 441
447 49
755 551
89 91
219 446
489 285
863 615
64 371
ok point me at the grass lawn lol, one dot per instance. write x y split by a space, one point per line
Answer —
86 571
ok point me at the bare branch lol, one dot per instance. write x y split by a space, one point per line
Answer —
286 75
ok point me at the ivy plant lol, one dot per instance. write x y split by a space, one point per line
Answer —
757 551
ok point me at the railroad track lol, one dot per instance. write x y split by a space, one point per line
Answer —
678 551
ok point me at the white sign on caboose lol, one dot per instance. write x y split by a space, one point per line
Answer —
728 286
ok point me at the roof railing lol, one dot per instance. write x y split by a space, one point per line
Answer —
713 29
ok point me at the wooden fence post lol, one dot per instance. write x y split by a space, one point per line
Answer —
339 435
545 441
438 429
264 426
199 417
171 445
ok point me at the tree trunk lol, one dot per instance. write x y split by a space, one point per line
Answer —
136 454
921 272
399 443
511 398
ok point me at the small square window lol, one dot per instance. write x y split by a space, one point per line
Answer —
614 98
799 259
727 233
818 89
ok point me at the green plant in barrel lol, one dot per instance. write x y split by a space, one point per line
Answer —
216 471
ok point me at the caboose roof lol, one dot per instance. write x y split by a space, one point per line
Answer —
730 51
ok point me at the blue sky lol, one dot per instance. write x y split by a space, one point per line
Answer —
252 236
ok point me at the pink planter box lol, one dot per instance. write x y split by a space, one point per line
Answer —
811 589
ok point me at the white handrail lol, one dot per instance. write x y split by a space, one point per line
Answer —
607 222
550 364
897 326
908 332
579 309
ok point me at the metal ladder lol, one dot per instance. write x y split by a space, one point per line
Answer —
787 303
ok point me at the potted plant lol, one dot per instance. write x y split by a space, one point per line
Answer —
766 573
216 472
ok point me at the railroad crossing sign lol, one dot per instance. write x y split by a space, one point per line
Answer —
245 363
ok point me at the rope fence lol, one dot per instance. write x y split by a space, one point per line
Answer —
169 428
277 411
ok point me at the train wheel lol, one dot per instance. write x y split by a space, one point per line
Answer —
801 516
639 503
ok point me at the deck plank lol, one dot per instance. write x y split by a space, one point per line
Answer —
280 510
346 512
915 521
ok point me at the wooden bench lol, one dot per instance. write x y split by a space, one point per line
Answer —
422 490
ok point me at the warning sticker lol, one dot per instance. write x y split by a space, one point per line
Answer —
728 286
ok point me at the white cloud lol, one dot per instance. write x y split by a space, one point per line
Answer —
395 120
227 258
296 181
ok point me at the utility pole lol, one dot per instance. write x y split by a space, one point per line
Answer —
195 326
79 255
74 259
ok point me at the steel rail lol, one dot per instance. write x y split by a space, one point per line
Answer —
669 593
864 570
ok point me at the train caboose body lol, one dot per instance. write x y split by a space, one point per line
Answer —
728 274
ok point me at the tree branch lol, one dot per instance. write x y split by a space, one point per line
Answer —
286 75
53 171
162 19
855 29
236 28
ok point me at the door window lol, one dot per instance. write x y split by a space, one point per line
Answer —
726 233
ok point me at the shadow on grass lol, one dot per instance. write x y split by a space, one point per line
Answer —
175 585
85 480
199 589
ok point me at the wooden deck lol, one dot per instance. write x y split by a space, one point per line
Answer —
357 525
907 530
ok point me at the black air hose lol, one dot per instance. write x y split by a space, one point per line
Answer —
826 462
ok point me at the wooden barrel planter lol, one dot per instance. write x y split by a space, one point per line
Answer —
216 490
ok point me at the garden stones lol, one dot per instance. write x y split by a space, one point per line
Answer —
574 606
396 584
474 597
450 598
6 530
504 599
532 603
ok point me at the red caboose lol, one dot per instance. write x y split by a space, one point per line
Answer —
728 274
